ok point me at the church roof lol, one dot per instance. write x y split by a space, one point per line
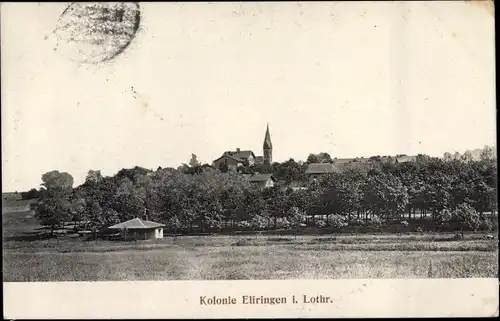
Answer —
267 139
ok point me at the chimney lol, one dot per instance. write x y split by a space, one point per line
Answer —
237 150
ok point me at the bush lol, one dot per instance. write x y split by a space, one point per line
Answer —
297 217
173 224
320 224
467 216
376 221
419 229
486 225
215 224
357 222
283 223
243 225
444 218
258 223
337 221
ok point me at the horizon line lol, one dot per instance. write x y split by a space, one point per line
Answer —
285 160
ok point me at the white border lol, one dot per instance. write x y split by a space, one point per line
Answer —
181 299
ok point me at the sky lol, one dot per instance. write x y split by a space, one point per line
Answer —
352 79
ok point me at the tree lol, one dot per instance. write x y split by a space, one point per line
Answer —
319 158
193 162
467 156
94 177
468 218
276 201
31 194
444 218
384 194
97 220
56 180
78 208
53 211
129 200
54 206
342 193
447 157
289 171
337 221
312 158
487 153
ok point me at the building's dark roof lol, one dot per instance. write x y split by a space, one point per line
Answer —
144 170
342 161
259 159
243 154
404 159
321 168
261 177
238 159
136 223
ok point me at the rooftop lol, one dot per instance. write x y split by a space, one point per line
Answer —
244 154
257 177
321 168
238 159
403 159
136 223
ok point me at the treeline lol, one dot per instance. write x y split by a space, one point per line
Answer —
455 191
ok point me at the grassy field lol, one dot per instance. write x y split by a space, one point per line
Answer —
418 255
226 258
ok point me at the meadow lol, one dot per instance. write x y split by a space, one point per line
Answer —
258 257
234 257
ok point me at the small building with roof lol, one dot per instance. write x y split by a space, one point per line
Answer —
234 158
315 170
263 180
139 229
405 159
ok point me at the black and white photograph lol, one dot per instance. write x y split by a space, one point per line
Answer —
226 141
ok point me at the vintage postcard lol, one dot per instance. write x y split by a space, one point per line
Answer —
249 159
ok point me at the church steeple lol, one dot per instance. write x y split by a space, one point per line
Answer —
268 147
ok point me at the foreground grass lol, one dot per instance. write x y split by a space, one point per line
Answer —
226 258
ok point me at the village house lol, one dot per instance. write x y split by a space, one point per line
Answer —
246 157
263 180
405 159
138 229
235 158
315 170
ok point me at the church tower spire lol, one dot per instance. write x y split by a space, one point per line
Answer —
268 147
